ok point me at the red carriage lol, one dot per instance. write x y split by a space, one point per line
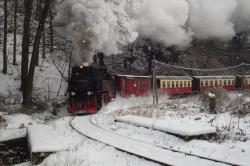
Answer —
205 83
131 85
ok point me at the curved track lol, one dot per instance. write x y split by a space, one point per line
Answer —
156 153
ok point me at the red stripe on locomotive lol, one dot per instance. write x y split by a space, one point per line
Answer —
85 106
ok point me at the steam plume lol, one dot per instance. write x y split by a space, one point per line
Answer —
95 25
107 25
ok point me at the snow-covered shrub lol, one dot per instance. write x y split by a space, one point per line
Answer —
239 105
2 121
215 100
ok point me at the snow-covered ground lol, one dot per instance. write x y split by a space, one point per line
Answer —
79 150
135 146
231 144
15 126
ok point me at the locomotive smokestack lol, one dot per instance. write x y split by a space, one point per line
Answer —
100 56
95 59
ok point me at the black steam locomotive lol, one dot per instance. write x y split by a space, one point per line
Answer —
90 87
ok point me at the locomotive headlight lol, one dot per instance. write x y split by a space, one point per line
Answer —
72 93
81 66
89 93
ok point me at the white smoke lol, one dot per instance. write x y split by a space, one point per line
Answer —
160 20
108 25
212 18
94 25
125 103
242 16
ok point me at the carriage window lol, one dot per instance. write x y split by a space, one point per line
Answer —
163 84
215 82
206 83
211 83
233 82
201 83
185 83
181 84
173 84
229 82
245 82
168 84
177 84
189 83
225 82
220 82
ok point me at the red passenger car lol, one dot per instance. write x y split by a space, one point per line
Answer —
130 85
243 82
173 85
204 83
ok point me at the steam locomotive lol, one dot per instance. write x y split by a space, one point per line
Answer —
91 86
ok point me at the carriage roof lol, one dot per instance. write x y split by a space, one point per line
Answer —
133 76
215 77
174 77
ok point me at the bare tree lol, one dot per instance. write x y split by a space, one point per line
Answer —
51 17
5 38
26 42
43 45
15 30
27 93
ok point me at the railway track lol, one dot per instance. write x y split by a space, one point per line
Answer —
131 146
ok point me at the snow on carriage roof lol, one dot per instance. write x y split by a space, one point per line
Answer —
246 76
175 77
215 77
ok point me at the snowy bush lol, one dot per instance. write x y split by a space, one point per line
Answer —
217 98
2 121
239 106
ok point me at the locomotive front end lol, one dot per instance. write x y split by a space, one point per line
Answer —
83 97
89 88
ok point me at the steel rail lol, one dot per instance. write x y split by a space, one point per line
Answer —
155 145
